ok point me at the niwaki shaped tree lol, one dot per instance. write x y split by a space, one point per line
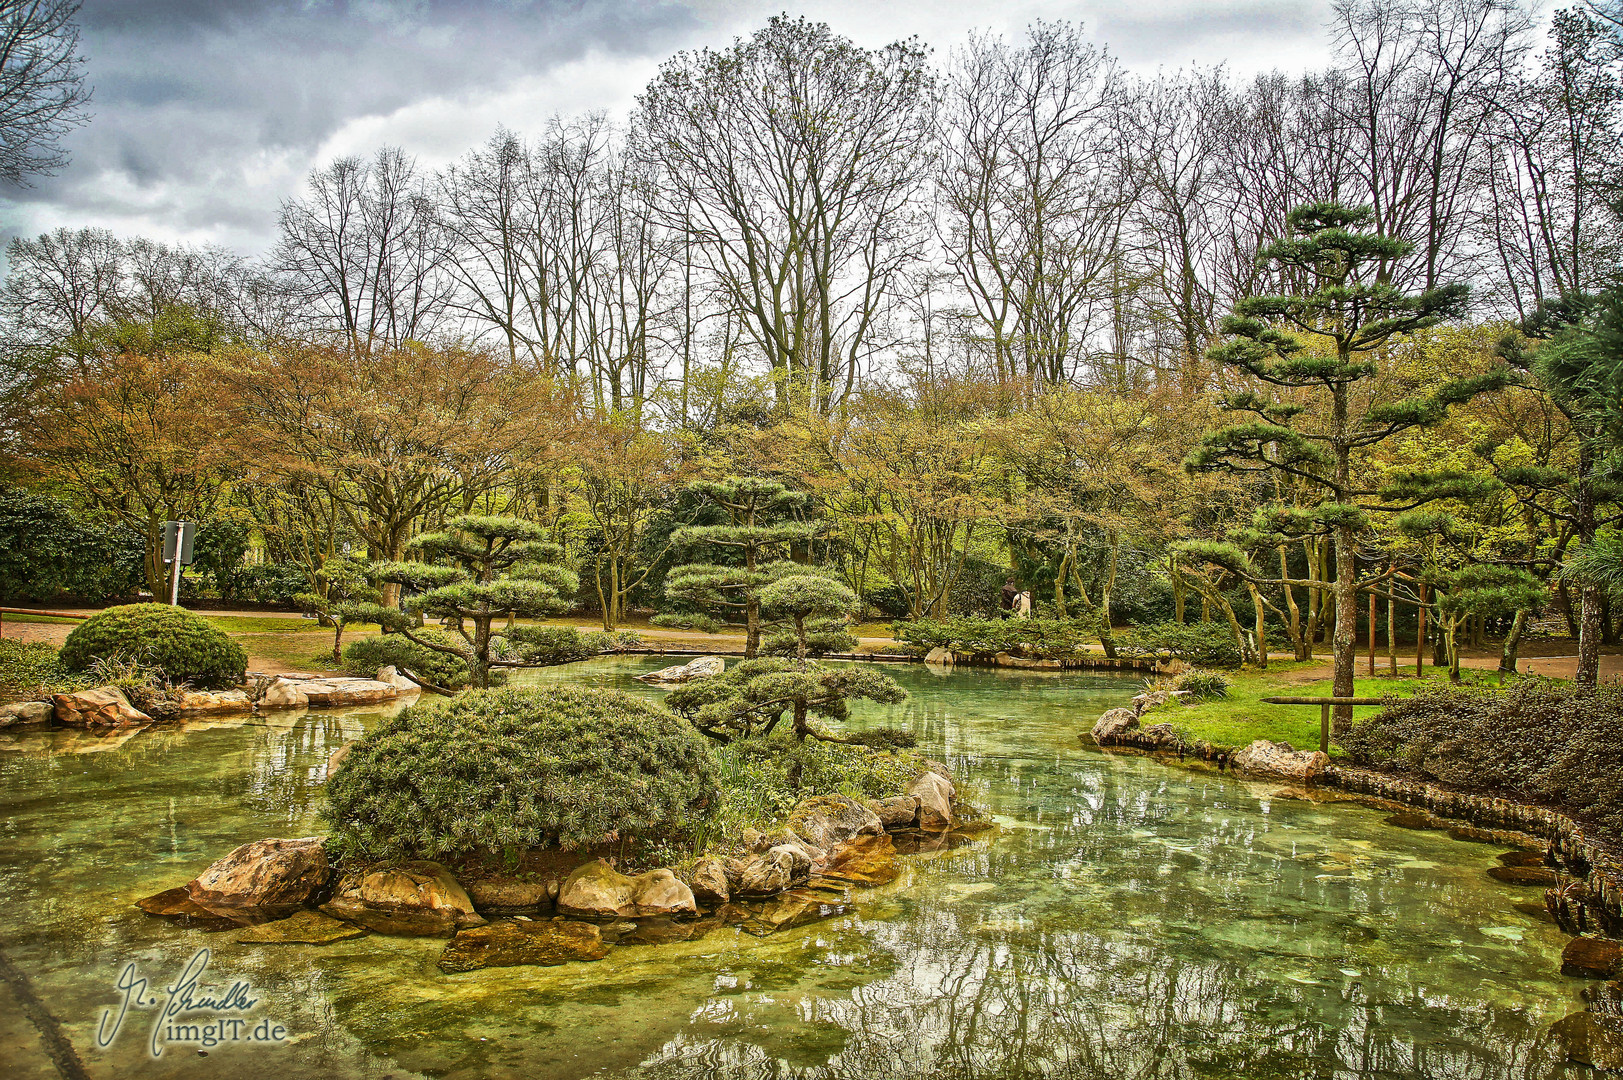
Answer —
754 541
1344 302
486 569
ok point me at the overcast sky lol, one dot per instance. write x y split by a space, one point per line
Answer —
208 113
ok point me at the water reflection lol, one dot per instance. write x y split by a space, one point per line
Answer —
1126 919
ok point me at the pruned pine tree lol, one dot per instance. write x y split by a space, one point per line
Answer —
755 538
1308 416
342 597
809 606
487 568
752 698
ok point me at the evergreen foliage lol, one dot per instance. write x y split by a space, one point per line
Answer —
752 697
495 772
186 647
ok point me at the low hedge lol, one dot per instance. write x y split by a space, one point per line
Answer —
187 648
988 637
496 772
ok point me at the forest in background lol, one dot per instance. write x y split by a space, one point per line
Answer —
1165 350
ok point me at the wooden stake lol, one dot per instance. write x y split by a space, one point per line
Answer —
1420 635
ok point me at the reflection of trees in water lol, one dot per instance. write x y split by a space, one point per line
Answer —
284 768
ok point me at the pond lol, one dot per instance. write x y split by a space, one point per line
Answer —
1128 919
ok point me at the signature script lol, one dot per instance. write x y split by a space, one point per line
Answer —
180 1001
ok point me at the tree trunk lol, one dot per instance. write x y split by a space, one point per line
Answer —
1513 643
1589 634
1346 642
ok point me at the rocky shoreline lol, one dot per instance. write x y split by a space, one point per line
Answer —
286 891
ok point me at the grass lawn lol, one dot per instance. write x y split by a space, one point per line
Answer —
1243 717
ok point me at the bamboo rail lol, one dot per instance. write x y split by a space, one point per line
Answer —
1324 704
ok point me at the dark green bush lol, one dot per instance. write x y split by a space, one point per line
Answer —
496 772
544 646
364 655
1209 643
1031 637
47 549
1541 740
186 647
272 583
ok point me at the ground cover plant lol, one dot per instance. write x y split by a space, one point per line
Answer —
1538 739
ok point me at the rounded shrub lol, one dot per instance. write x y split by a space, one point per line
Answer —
365 655
186 647
495 772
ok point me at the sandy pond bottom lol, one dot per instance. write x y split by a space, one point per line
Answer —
1127 919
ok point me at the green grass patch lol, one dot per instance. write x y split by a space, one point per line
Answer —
1243 717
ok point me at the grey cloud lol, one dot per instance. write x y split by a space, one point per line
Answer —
1140 31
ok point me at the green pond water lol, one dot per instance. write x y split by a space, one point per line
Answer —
1127 919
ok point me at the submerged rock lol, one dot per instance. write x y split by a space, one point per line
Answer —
105 706
826 820
301 928
702 667
517 944
1521 858
1267 758
866 861
1414 821
1112 724
265 873
1522 875
935 794
789 911
664 930
177 905
1592 958
1590 1040
413 899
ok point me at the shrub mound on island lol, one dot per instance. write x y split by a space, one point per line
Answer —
186 647
363 656
1541 740
502 771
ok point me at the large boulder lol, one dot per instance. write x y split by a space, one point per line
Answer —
1591 958
284 693
390 675
702 667
105 706
826 820
347 691
514 944
197 702
770 872
598 891
26 712
897 812
1112 724
419 899
935 794
940 655
265 873
708 880
1282 760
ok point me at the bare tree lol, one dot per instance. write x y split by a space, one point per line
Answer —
364 251
795 159
42 91
1034 196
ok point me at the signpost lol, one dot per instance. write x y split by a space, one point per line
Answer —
177 551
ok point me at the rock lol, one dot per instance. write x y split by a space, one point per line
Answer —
389 675
1112 724
105 706
265 873
282 693
662 930
786 912
940 655
414 899
596 890
1282 760
193 702
866 861
347 691
709 883
26 712
1521 858
500 893
1003 659
177 904
767 874
934 793
1161 737
702 667
1150 700
1590 1040
336 758
897 812
301 928
1522 875
1534 910
826 820
1414 821
1591 958
660 892
516 944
